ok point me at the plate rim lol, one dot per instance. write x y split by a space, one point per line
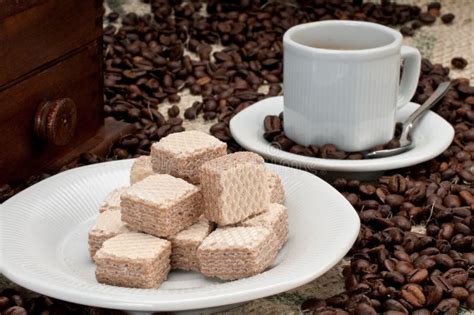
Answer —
352 166
77 296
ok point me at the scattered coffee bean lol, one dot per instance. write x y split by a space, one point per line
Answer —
427 18
447 18
459 62
173 111
407 31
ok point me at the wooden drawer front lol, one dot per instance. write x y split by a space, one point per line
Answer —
43 31
78 78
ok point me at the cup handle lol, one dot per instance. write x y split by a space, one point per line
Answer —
410 76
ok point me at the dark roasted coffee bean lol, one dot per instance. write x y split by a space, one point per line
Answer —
417 276
460 293
112 16
447 307
163 131
434 294
406 31
365 309
413 294
393 305
416 24
459 62
456 276
427 18
173 111
394 200
447 18
190 113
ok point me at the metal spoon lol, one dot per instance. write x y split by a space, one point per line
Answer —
405 141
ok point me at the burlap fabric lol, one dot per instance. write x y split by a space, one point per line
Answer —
438 42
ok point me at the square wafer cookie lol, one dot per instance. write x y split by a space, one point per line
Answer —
161 205
185 245
234 187
237 252
141 169
182 154
274 218
107 225
134 260
112 200
277 192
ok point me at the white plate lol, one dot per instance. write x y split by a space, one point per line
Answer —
432 135
43 237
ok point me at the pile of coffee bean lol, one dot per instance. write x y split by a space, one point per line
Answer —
275 134
414 250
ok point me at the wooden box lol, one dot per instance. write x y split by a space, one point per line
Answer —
51 94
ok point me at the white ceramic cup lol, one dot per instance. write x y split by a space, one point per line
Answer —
342 83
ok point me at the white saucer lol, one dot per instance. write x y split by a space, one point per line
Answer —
43 241
432 136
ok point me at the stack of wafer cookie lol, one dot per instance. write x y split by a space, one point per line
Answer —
178 195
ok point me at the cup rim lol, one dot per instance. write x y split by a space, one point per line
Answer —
367 52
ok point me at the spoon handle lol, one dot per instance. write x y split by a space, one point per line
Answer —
433 99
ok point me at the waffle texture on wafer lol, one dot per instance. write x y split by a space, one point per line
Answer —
161 205
234 187
274 218
182 154
277 192
186 243
107 225
237 252
112 200
134 260
141 169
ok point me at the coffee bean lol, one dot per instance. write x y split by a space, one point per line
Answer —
112 16
417 276
190 113
163 131
459 293
407 31
209 115
434 295
413 294
173 111
459 62
427 18
365 309
447 307
447 18
175 121
416 24
456 276
393 305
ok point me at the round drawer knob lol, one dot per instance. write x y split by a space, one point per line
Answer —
55 121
